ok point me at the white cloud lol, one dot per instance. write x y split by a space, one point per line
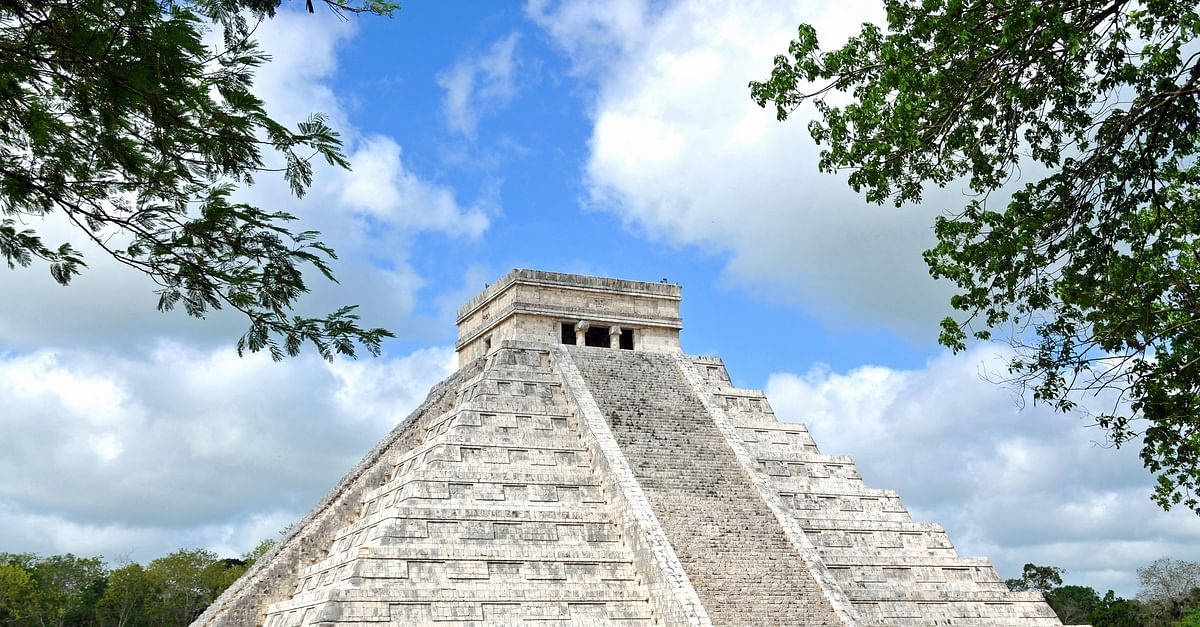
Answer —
480 84
119 442
1014 485
594 35
679 151
380 186
304 56
110 454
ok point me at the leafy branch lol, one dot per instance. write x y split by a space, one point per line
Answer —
1091 272
117 115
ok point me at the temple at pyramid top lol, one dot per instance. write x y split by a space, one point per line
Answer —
558 308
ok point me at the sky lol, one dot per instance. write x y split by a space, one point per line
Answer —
615 139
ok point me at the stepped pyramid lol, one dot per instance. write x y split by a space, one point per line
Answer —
578 468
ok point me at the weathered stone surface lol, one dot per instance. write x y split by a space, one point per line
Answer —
533 305
736 554
619 483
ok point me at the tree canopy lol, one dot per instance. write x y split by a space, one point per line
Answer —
1092 270
1034 577
1159 604
124 119
68 590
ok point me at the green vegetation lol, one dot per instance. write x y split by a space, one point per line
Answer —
121 118
1091 267
67 590
1169 596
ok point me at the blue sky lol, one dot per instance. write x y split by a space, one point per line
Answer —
525 157
616 140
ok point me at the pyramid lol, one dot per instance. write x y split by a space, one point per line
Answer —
578 468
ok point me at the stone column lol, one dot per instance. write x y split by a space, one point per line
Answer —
614 337
581 328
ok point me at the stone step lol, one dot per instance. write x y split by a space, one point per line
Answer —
860 594
424 493
836 516
881 539
556 450
453 573
861 525
824 486
803 457
582 553
473 532
957 613
838 555
542 614
925 561
736 555
544 591
926 620
544 449
496 512
515 405
536 467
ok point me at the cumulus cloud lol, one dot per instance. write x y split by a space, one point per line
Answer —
480 84
679 151
120 442
1015 485
304 55
112 454
382 187
592 34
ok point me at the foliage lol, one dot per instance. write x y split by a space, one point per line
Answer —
1168 588
56 590
1168 596
130 592
1168 611
1034 577
1167 578
16 593
68 590
1091 271
120 117
188 582
1190 619
1114 611
1081 605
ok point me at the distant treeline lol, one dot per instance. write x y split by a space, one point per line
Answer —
63 590
170 591
1169 596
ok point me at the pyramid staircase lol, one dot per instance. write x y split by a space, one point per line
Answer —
894 570
493 514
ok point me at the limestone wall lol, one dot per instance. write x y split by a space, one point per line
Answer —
274 576
672 593
893 570
576 485
496 513
734 550
530 305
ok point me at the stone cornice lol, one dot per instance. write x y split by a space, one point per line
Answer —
566 313
577 282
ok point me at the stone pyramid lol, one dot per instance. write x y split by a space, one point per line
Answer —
578 468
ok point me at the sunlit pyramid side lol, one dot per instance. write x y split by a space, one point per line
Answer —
578 468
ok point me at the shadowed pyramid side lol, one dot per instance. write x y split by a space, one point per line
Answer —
894 570
739 559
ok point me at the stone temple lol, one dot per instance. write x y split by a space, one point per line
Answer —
579 468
